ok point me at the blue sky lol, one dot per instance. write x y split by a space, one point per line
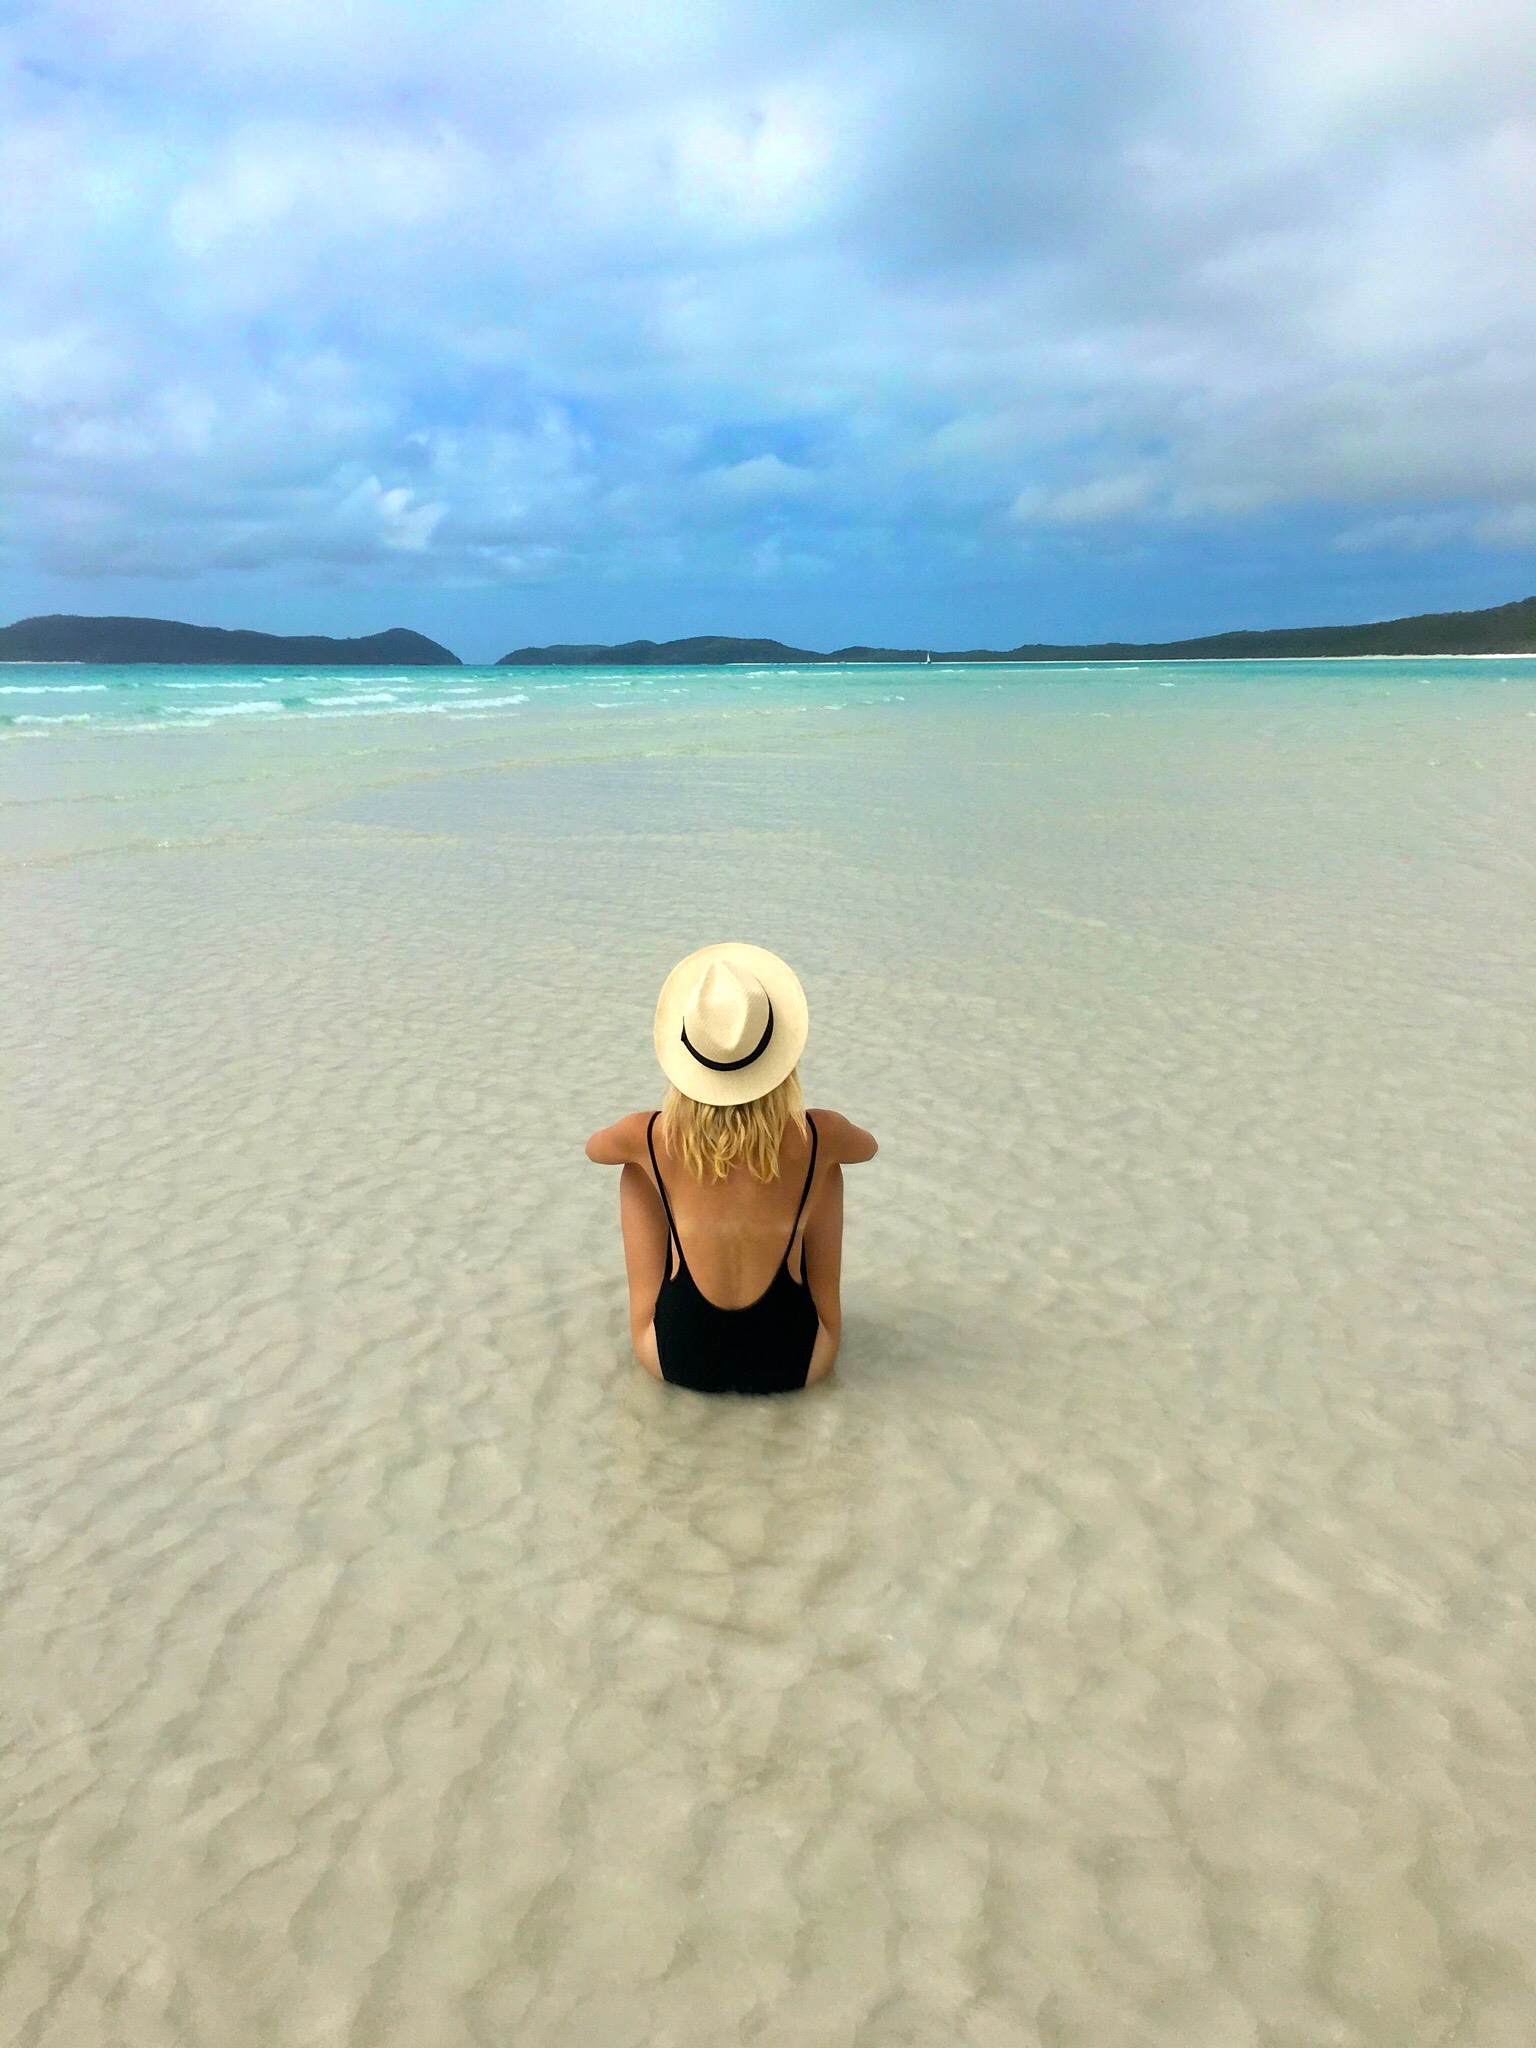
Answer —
926 322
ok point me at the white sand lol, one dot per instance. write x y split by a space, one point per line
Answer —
1131 1647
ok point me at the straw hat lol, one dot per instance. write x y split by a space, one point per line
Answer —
731 1022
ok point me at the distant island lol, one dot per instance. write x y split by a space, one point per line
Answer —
61 636
709 650
1502 629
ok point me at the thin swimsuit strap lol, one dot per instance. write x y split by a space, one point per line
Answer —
661 1187
672 1236
805 1196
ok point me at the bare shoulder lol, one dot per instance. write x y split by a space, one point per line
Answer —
846 1142
620 1144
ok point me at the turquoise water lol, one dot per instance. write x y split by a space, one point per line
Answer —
43 695
38 697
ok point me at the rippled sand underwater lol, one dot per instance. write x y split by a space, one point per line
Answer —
1132 1644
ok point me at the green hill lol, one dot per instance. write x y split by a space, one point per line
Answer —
62 636
1502 629
707 651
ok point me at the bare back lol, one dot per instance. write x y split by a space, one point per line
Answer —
734 1231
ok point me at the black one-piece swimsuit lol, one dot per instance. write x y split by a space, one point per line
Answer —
764 1348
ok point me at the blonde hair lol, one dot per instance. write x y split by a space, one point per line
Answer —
709 1140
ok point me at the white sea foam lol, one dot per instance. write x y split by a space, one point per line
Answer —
262 708
205 683
356 710
53 689
373 678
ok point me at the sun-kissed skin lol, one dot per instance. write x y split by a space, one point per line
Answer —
733 1230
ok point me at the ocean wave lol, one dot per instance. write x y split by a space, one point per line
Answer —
205 683
52 689
373 677
263 708
355 710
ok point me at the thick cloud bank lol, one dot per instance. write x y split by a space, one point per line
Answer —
761 294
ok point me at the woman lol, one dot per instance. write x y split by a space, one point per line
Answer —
732 1195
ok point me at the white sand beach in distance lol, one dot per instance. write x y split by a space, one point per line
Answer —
1130 1647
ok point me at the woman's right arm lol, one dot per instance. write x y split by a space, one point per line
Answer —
621 1144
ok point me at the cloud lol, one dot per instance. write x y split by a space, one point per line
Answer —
760 478
1095 503
307 190
1512 526
475 294
402 525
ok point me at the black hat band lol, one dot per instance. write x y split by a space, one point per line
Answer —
734 1066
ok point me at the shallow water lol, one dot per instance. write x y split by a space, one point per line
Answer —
1132 1644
